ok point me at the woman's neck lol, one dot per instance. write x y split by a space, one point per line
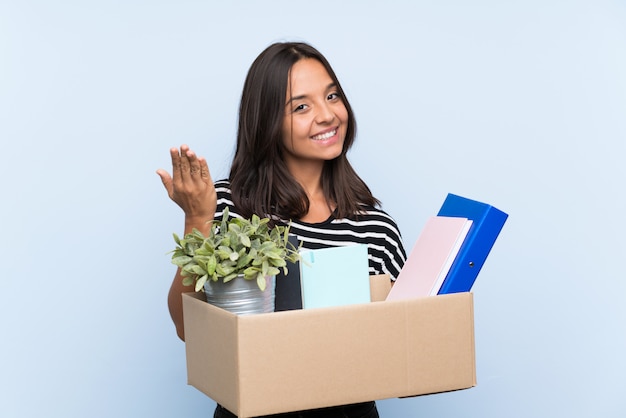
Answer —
310 179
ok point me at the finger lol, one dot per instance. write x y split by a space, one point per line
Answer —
184 163
205 174
175 156
166 179
194 165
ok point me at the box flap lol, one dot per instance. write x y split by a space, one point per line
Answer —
211 348
380 285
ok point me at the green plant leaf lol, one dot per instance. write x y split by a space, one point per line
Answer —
250 272
234 227
230 277
245 240
180 261
211 264
200 282
267 246
197 270
224 252
260 281
278 262
243 261
187 270
224 269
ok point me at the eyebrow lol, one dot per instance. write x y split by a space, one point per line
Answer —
304 96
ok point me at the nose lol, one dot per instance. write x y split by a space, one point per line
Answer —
325 114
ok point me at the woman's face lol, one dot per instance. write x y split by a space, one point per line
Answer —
316 119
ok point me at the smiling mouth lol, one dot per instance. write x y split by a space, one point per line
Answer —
324 136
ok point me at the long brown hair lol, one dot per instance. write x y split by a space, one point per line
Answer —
260 181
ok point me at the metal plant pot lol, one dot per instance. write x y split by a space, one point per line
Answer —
241 296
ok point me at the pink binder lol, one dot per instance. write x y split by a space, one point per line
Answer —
431 258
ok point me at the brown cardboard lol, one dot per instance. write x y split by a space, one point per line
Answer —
380 286
294 360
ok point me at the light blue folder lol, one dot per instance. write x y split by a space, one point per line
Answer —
335 276
486 226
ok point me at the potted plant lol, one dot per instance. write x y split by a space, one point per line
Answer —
238 256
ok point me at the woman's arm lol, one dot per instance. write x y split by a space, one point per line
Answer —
190 186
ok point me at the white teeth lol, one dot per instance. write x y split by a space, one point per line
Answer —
324 136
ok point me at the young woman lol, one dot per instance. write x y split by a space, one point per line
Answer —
295 129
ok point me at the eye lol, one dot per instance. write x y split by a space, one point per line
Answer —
332 96
300 108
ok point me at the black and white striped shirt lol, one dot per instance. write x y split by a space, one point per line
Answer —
373 227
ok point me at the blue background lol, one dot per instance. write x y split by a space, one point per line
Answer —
520 104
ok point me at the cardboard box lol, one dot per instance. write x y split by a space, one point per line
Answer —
294 360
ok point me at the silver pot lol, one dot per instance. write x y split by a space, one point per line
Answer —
241 296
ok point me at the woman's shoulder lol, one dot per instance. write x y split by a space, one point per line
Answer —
374 213
222 185
373 220
222 188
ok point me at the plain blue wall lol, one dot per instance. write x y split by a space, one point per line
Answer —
519 104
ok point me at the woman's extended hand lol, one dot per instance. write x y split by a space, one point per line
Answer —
190 186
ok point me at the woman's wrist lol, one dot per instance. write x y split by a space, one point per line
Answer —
201 223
